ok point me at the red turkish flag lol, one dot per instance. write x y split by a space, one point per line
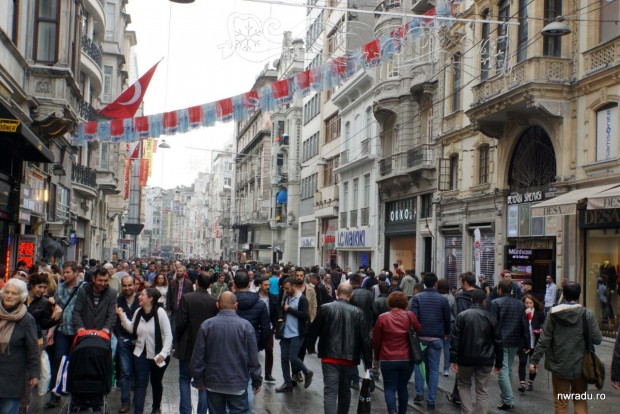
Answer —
127 104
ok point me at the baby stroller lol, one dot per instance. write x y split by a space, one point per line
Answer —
89 377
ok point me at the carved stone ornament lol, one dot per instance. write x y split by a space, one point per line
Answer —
43 86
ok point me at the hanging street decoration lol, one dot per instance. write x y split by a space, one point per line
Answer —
125 128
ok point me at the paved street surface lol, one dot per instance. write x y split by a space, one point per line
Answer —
311 400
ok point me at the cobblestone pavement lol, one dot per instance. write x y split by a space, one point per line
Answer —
304 401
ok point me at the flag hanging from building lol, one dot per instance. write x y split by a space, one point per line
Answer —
127 104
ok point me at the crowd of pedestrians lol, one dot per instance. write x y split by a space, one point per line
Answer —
155 310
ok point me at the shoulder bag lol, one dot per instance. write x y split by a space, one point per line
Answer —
415 350
592 369
279 334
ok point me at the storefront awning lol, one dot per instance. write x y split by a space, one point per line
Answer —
607 199
567 204
17 136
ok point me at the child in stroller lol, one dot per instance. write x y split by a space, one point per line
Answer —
89 377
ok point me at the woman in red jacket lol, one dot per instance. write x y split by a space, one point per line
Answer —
391 344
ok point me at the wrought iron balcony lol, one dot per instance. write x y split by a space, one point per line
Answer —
84 175
385 166
86 111
91 49
421 156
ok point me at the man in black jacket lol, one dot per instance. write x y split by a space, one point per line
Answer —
515 331
194 309
128 302
343 338
272 307
476 347
95 304
462 302
363 299
253 310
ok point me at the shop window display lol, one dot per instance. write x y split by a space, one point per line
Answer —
602 271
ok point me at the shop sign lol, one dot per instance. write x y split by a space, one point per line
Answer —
351 238
604 218
526 197
307 242
24 216
519 254
9 125
401 211
329 238
26 249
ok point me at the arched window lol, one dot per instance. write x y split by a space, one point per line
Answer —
533 160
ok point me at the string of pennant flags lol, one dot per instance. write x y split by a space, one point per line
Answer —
267 98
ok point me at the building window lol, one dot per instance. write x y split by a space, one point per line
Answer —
227 181
110 21
345 196
308 186
369 122
454 172
426 204
332 128
107 83
314 31
329 177
552 45
483 164
62 203
607 133
502 35
356 193
9 20
335 38
310 147
608 14
366 191
312 108
523 22
456 82
104 157
485 53
46 30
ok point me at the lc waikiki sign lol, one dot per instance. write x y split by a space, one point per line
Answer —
354 238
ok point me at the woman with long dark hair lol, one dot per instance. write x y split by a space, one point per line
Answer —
535 313
151 354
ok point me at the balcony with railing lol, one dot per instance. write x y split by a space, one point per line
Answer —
405 163
92 50
381 17
91 61
537 84
84 181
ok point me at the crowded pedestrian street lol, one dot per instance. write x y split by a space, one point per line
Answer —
305 401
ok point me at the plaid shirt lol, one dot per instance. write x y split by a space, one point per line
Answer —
61 297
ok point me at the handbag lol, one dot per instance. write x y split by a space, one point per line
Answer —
279 334
415 350
364 403
592 369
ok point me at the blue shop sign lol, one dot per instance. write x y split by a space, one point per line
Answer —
351 238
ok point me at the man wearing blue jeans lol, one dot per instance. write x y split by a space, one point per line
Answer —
225 374
514 329
128 302
64 333
194 308
433 312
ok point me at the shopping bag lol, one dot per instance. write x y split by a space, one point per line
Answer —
364 403
46 375
61 378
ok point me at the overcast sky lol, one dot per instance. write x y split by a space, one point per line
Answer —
212 50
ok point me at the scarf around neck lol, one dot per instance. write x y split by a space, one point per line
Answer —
7 324
147 317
